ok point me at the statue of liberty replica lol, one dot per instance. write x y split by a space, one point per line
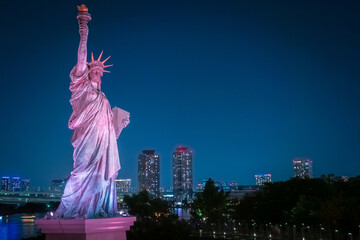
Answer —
90 191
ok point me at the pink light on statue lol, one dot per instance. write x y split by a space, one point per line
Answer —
90 191
89 201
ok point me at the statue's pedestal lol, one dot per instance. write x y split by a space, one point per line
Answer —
85 229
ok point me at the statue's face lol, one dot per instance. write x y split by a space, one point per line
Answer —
95 75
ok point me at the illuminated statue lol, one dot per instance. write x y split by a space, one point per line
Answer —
90 192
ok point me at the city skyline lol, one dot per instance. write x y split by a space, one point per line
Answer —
148 162
297 161
301 167
125 186
248 86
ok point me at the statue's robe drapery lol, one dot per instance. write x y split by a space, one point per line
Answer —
90 191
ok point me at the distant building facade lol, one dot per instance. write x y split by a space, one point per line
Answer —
123 185
345 178
303 168
222 185
25 185
199 187
182 174
332 178
233 185
149 172
5 184
57 185
260 179
16 184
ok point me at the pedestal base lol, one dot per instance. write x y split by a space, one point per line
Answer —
85 229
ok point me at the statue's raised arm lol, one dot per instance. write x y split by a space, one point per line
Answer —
83 18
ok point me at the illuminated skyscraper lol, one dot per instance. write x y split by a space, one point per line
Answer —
16 184
262 178
25 185
149 172
123 185
182 174
5 184
303 168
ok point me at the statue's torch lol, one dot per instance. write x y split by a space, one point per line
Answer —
83 16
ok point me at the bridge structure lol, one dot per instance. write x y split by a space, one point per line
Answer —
20 198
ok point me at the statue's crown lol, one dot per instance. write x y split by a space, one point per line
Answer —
98 63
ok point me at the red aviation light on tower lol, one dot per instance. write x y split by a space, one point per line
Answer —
180 149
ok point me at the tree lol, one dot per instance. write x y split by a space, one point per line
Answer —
139 204
211 205
154 219
306 210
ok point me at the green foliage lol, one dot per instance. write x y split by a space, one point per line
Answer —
211 205
169 228
326 201
139 204
306 210
142 205
154 219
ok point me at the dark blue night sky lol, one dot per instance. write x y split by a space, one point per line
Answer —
247 85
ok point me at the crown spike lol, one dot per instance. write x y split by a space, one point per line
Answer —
106 71
106 59
92 57
108 65
100 55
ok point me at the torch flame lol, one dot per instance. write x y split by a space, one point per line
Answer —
82 8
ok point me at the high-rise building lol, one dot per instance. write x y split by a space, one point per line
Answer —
303 168
5 184
16 184
57 185
25 185
149 172
182 174
123 185
260 179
